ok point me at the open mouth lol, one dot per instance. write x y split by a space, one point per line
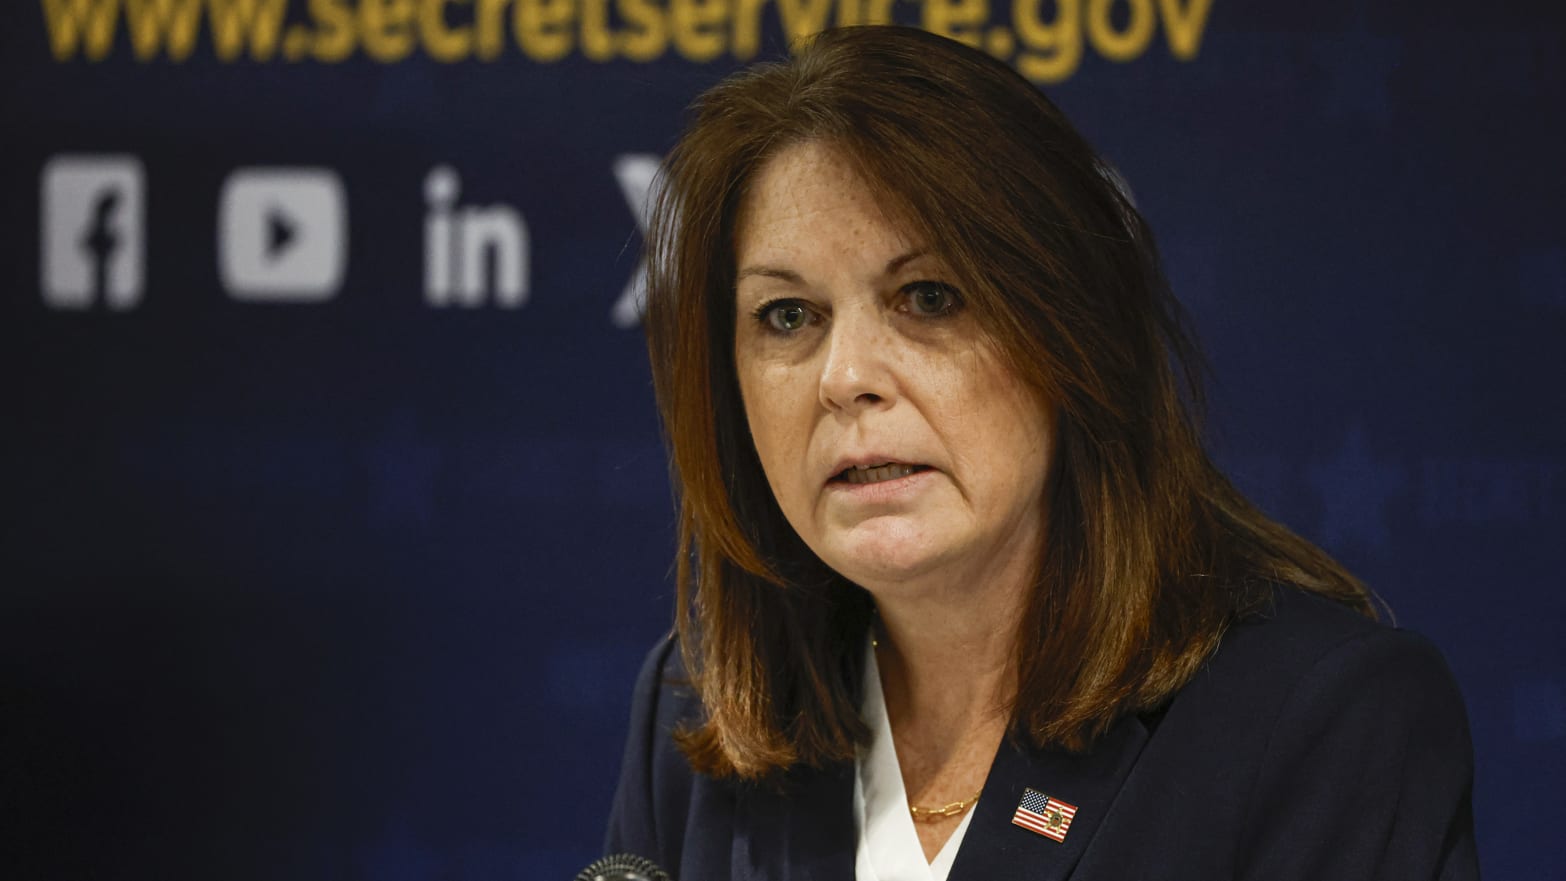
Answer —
878 473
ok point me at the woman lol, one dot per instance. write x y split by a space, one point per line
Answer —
960 593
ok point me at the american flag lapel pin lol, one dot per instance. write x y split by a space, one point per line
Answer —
1049 817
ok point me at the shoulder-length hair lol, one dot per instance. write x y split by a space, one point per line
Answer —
1151 553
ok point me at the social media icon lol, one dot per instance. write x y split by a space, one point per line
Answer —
93 210
282 234
473 255
637 174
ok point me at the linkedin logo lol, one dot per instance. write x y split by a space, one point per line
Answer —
282 234
92 231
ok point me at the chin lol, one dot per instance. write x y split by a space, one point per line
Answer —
871 563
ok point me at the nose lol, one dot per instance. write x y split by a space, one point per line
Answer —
857 374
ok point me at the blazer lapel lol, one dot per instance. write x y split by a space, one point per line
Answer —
994 847
805 832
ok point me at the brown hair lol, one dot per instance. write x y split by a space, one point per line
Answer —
1151 552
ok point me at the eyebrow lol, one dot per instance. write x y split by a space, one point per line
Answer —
792 277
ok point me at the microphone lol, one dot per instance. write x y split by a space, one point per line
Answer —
623 867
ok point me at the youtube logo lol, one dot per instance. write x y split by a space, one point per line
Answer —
282 234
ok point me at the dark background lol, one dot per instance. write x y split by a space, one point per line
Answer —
357 589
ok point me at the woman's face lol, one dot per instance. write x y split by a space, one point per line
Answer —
896 443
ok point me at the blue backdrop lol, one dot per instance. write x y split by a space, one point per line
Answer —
335 516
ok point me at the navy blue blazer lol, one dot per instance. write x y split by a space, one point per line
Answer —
1314 744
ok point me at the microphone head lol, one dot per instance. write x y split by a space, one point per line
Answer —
623 867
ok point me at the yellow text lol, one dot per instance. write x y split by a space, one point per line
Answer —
1045 39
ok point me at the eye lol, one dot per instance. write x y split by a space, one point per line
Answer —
932 298
783 316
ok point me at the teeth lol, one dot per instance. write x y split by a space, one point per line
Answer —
876 473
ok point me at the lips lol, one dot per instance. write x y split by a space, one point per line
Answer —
877 473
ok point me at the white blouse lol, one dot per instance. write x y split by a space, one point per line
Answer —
889 848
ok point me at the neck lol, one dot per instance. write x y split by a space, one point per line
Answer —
948 637
948 634
946 653
945 656
947 676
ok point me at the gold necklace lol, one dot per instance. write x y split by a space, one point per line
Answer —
930 815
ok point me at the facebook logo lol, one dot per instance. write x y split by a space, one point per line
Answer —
92 231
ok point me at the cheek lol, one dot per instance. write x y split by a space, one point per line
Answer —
777 408
1005 430
973 394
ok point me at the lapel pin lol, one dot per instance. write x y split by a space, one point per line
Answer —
1049 817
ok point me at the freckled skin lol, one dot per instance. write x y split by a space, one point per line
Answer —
871 368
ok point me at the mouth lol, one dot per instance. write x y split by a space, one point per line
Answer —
862 474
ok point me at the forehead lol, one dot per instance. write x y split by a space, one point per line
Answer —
810 197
